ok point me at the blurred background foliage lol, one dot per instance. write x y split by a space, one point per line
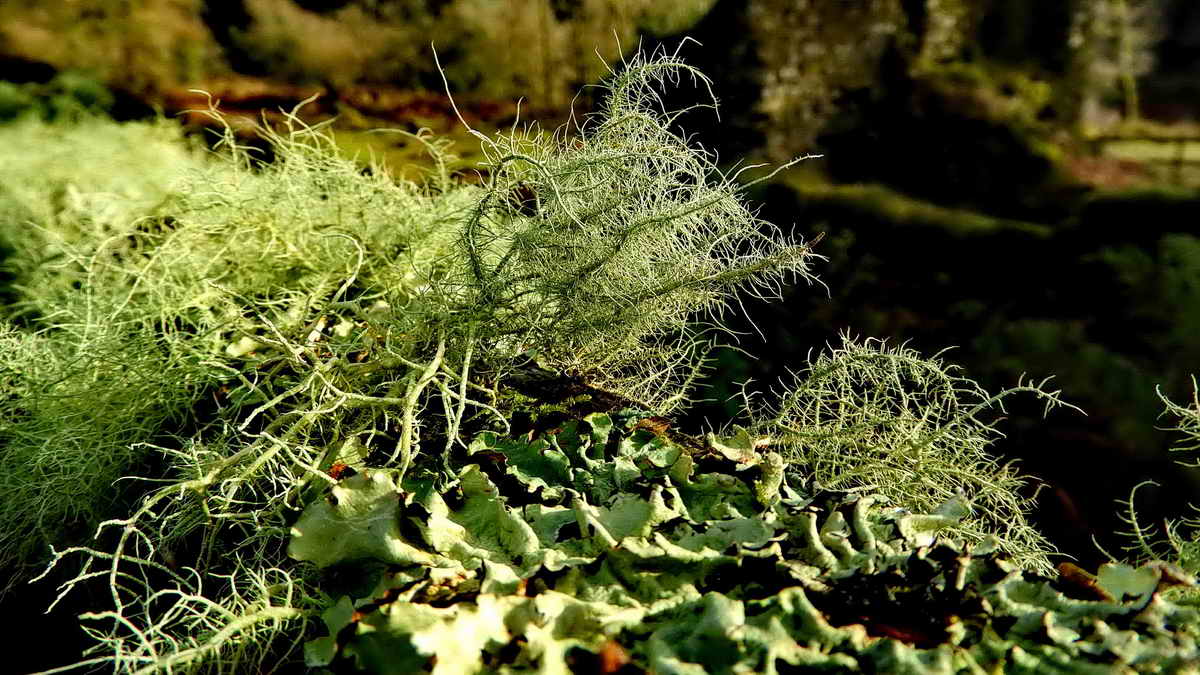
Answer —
1016 178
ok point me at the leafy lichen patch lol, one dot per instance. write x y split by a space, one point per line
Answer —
725 592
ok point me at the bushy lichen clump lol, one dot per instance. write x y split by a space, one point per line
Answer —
250 325
1178 540
598 252
292 357
81 382
145 298
912 428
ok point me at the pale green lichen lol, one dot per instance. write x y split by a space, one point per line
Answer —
1179 539
869 415
656 574
264 319
299 357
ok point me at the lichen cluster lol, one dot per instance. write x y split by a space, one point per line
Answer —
604 543
270 407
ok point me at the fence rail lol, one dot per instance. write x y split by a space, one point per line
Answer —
1178 150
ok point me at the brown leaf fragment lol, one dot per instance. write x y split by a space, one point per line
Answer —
1080 579
655 425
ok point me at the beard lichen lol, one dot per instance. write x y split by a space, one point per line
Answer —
867 415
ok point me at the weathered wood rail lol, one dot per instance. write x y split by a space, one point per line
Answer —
1181 148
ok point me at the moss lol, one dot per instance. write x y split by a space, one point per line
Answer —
68 95
883 205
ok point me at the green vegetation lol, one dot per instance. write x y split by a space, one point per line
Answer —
85 375
68 94
294 411
1179 540
886 418
626 550
149 47
881 204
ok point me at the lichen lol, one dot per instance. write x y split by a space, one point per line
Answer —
682 573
